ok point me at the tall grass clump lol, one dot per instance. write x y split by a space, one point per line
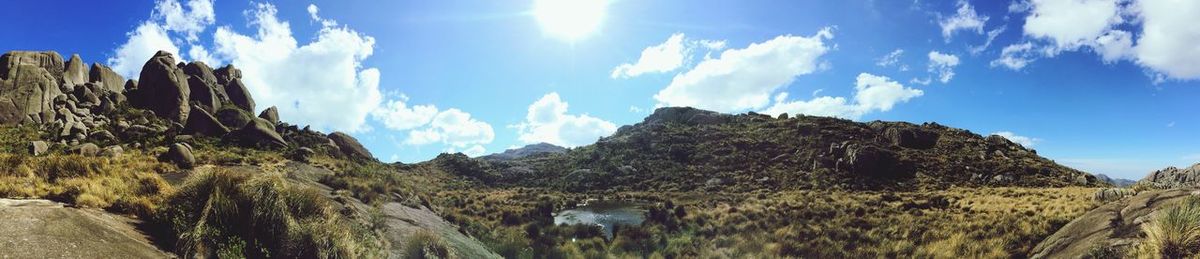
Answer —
1174 232
223 213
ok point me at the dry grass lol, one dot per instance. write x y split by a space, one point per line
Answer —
129 183
1174 232
955 223
218 213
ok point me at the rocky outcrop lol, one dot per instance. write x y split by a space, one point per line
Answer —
1115 226
204 124
271 114
528 150
1172 177
686 115
239 95
258 132
47 229
111 80
204 88
181 155
227 74
76 72
163 88
29 82
350 146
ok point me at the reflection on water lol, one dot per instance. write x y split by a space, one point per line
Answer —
605 214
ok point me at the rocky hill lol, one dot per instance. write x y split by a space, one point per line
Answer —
688 149
176 143
528 150
1173 177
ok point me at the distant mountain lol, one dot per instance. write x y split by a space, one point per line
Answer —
688 149
528 150
1119 182
1172 177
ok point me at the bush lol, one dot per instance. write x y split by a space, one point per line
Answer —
1175 232
426 244
220 212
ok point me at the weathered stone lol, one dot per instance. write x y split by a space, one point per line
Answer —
86 149
239 96
181 155
163 88
27 87
113 151
271 114
350 146
233 117
102 135
303 154
111 81
258 132
202 123
911 137
202 94
76 72
226 74
38 147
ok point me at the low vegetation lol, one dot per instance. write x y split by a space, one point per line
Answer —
972 222
1174 232
222 213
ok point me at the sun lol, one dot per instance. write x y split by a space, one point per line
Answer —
570 20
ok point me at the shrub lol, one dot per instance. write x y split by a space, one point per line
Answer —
261 215
426 244
1175 232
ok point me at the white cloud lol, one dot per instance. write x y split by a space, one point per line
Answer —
743 79
666 57
1070 24
942 65
1169 37
991 36
1015 56
872 93
548 121
1028 142
1019 6
396 115
143 42
304 81
661 58
198 16
964 18
454 128
890 59
635 109
155 34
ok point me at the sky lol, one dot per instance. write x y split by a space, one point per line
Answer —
1104 86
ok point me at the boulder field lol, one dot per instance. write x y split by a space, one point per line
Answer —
89 108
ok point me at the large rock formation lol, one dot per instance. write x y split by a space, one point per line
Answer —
163 88
1172 177
239 95
1114 226
350 146
76 71
29 82
111 80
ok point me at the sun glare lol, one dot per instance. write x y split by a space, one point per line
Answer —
569 20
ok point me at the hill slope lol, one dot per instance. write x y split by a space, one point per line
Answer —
687 148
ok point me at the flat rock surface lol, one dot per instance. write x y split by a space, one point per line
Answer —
47 229
1117 224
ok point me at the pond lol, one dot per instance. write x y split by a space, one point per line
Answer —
605 214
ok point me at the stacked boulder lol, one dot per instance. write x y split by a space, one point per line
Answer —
84 105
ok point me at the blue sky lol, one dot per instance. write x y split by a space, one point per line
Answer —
1106 86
